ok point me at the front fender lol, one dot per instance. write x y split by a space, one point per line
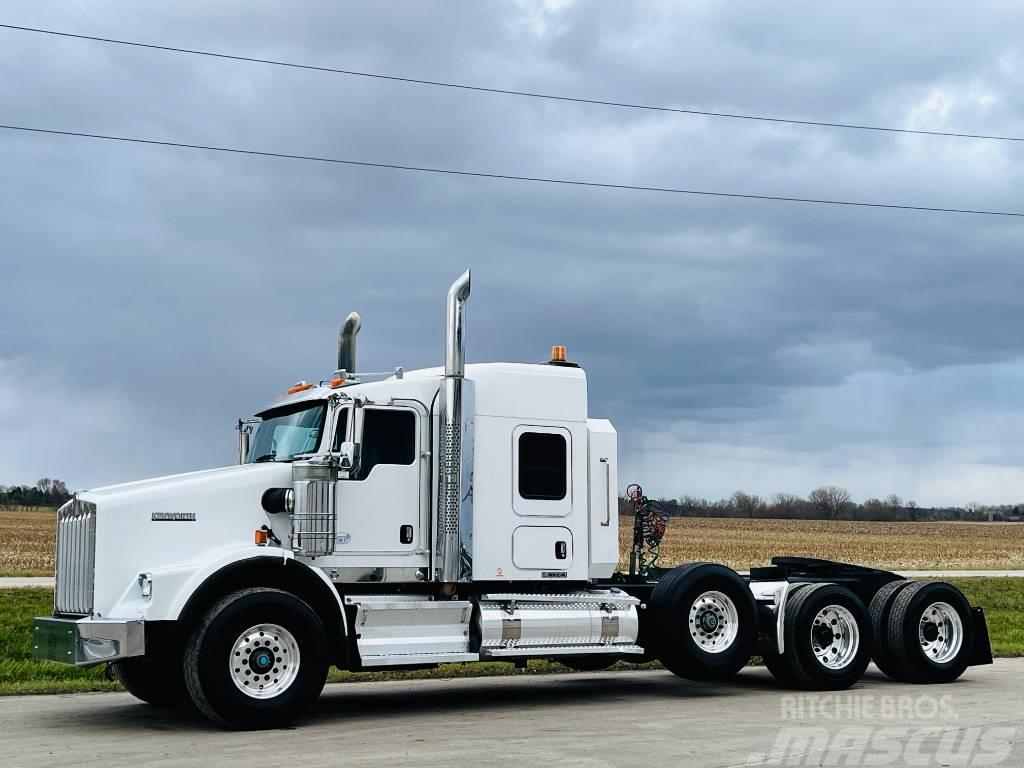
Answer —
174 587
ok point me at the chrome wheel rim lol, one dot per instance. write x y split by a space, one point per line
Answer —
835 637
714 621
940 632
264 661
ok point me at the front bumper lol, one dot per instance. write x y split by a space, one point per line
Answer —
86 642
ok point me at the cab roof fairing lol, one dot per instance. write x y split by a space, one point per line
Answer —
522 390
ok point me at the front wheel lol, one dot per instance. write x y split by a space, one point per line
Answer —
257 659
155 678
155 681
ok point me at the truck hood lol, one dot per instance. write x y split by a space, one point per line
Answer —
195 486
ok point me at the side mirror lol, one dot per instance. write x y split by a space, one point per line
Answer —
245 429
348 456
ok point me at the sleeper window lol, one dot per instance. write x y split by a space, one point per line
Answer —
542 466
389 437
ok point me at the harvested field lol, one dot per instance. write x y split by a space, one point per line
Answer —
26 541
742 543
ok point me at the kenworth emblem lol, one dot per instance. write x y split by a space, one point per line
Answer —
177 517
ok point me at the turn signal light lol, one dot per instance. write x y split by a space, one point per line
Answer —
302 386
262 537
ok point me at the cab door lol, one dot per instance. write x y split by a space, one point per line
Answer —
381 510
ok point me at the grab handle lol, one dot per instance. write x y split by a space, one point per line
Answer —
608 492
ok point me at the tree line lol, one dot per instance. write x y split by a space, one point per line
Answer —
47 492
830 502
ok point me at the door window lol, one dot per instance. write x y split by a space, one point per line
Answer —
389 437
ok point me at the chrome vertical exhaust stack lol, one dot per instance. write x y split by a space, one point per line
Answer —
347 342
449 487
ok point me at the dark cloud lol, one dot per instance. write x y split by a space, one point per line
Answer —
153 295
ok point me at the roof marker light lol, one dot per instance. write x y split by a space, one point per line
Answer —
301 386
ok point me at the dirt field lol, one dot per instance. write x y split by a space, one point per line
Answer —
908 546
26 542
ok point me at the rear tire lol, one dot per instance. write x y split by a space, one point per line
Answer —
704 621
931 632
880 611
257 659
827 638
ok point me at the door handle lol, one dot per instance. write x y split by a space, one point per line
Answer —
561 550
405 534
608 491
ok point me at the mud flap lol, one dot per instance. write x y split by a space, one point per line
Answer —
981 650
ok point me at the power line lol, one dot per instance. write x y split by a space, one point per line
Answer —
510 92
502 176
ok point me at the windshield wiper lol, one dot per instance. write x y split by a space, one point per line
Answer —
264 457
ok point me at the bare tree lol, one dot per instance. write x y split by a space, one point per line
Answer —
748 504
787 504
975 511
893 502
830 500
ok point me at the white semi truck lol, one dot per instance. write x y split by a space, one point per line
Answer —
454 514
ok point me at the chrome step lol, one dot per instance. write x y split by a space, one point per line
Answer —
410 659
540 652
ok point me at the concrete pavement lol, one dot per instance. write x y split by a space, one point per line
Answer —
596 719
15 582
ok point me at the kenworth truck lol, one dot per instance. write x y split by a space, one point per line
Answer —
453 514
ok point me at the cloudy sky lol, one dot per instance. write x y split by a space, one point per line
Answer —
151 295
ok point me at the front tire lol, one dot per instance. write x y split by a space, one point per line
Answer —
257 659
156 681
704 621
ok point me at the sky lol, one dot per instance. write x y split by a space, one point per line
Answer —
150 296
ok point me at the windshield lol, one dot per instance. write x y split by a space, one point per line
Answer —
287 432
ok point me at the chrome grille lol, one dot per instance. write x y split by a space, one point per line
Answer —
76 558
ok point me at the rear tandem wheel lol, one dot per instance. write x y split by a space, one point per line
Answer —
704 621
827 639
